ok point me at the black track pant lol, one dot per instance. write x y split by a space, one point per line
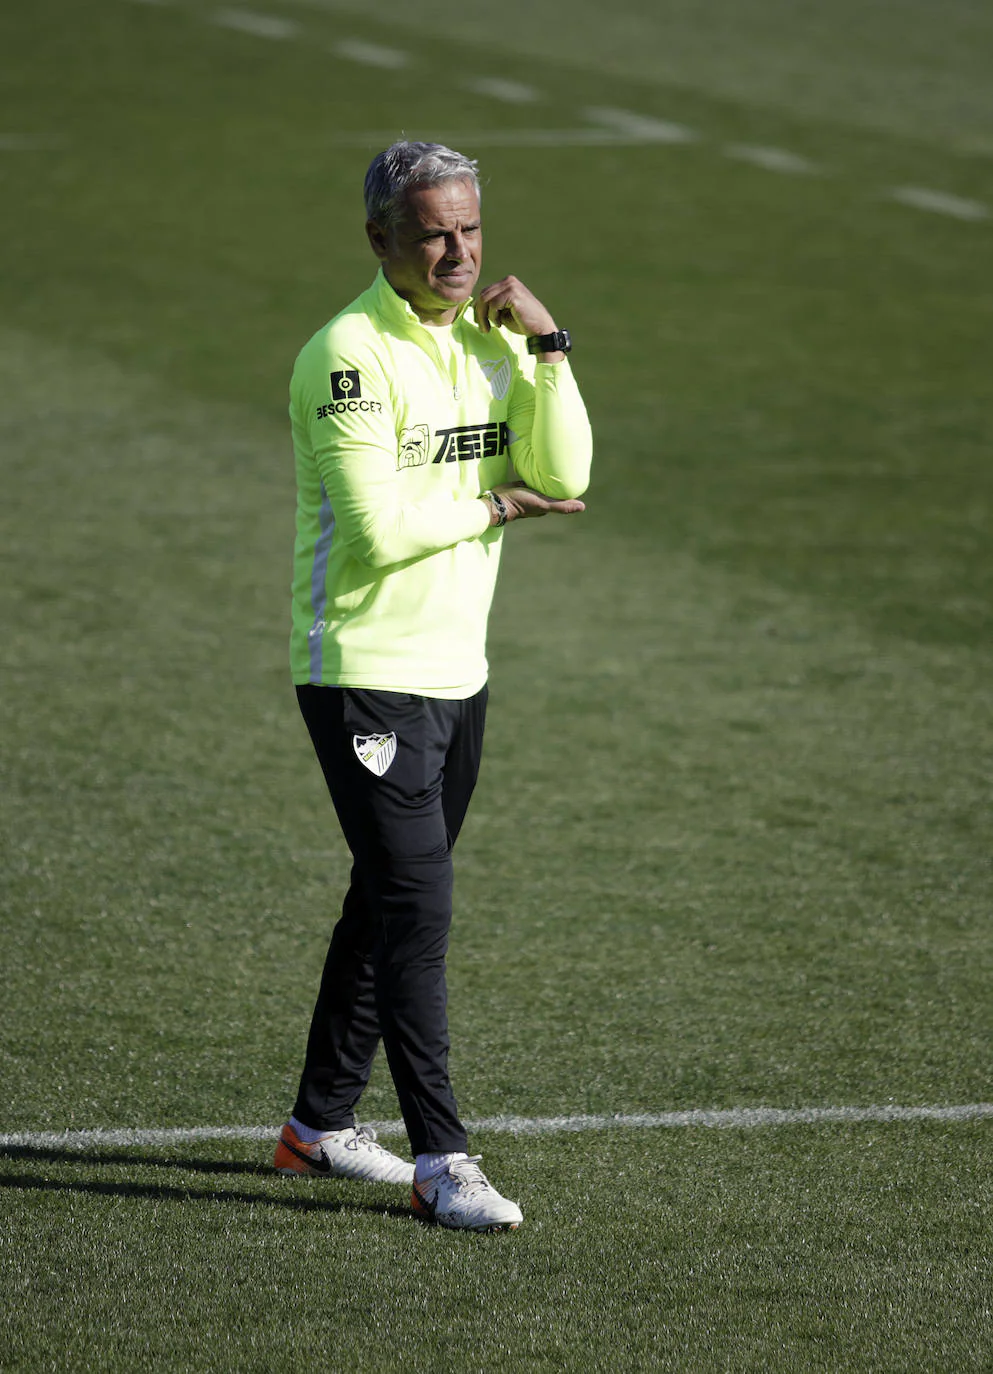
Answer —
384 976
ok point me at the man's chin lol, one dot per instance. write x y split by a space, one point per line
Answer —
457 291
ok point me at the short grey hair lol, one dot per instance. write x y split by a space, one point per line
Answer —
405 165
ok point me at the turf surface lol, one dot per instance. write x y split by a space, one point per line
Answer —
732 842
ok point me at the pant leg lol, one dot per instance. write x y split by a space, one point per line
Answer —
462 761
395 824
344 1029
410 978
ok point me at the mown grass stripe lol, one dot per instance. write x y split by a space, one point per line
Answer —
735 1118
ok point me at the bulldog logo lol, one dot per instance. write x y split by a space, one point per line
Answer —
413 450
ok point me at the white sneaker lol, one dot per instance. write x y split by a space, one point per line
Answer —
352 1153
462 1197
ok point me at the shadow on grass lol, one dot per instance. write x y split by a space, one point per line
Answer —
49 1155
294 1194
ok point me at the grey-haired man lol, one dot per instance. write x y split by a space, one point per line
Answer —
419 434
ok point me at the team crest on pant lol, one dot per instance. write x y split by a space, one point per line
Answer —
375 752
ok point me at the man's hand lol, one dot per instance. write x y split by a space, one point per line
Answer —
524 503
511 305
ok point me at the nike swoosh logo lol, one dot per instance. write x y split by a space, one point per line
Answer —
430 1205
317 1166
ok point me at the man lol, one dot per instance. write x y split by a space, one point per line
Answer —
418 435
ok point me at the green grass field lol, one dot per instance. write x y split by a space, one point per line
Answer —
731 846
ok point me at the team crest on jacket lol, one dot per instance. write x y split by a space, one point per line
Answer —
498 375
413 451
375 752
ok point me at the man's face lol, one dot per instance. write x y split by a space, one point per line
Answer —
432 256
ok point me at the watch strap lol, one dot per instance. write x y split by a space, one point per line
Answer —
558 342
499 505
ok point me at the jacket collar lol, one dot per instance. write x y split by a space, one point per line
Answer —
396 311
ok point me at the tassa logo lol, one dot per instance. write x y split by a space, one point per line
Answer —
464 443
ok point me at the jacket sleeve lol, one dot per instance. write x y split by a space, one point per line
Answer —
343 419
552 447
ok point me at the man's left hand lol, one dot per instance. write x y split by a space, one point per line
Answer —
524 503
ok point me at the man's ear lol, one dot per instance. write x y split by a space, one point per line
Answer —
377 239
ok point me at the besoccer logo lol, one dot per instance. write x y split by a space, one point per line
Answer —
345 386
346 396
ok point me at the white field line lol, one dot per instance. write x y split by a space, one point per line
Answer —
510 92
615 127
508 138
772 159
371 54
939 202
640 127
737 1118
259 25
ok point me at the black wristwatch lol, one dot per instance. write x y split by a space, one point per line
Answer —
559 342
499 505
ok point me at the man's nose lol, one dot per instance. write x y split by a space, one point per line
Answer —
455 245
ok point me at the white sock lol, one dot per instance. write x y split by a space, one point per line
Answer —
309 1134
426 1166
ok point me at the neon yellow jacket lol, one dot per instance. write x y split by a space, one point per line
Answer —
395 435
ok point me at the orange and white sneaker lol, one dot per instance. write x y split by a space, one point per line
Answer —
352 1153
462 1198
